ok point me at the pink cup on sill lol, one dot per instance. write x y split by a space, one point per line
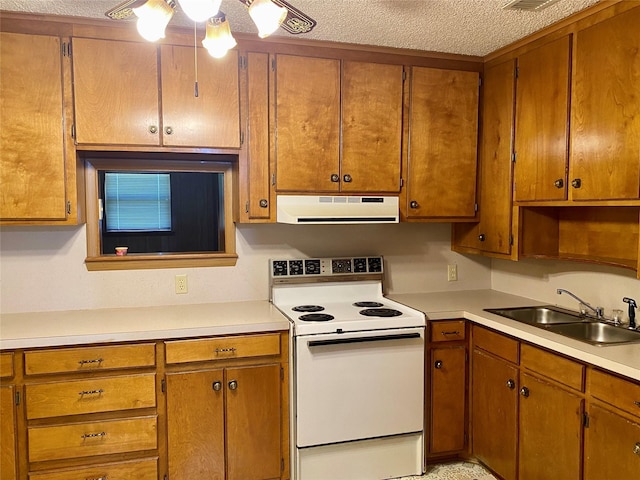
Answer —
121 251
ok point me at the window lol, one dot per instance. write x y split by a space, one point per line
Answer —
169 211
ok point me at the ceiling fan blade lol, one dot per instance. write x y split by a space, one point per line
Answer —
123 10
296 22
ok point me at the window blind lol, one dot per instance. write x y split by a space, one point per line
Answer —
137 202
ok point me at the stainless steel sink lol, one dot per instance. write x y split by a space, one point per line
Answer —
545 315
596 333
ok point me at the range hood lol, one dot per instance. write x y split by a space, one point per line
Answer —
336 209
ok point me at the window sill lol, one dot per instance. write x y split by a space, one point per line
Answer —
160 260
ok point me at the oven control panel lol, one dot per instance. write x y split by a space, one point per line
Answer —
326 267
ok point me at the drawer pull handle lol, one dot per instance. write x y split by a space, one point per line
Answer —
86 362
225 350
451 333
91 392
93 435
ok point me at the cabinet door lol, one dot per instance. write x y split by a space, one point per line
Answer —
115 92
307 124
448 381
8 461
210 119
494 413
550 437
253 423
255 166
542 122
605 110
195 425
493 233
371 127
443 143
32 165
612 446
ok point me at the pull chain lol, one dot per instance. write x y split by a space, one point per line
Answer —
195 60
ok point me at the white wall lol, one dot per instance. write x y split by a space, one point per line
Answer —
539 279
42 269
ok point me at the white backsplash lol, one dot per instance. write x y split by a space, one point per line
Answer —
42 269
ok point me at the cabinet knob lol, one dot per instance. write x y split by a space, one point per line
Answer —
153 129
233 385
413 204
335 177
263 203
576 183
482 237
524 391
217 386
636 448
559 183
511 384
347 178
168 130
438 364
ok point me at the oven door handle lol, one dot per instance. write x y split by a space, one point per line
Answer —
380 338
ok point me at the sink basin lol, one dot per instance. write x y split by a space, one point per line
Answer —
596 333
545 315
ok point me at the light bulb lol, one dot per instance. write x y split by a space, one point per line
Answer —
153 18
200 10
267 16
218 40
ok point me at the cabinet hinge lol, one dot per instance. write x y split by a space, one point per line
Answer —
273 64
17 398
166 477
68 207
66 49
510 239
242 62
475 207
401 182
241 138
73 131
246 207
479 81
273 179
585 420
517 72
513 157
404 75
282 373
282 464
163 385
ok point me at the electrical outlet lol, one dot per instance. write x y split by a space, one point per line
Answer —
181 283
452 272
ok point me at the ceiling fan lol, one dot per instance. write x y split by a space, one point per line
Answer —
295 21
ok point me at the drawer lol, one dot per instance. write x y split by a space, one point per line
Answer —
90 396
621 393
6 364
146 469
86 439
496 343
447 331
222 348
553 366
87 359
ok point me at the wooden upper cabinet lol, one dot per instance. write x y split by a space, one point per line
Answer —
116 92
605 110
209 120
308 124
542 127
32 165
371 127
443 143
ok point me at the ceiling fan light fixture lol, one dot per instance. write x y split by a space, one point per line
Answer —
200 10
218 40
267 16
153 18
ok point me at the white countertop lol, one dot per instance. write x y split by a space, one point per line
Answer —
623 359
77 327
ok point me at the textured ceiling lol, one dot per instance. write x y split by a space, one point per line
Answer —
470 27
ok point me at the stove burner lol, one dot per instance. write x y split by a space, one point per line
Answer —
367 304
316 317
308 308
380 312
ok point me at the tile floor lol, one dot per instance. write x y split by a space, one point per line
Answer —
454 471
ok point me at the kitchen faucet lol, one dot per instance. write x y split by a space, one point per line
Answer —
599 311
632 311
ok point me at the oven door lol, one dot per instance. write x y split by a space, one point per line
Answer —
358 385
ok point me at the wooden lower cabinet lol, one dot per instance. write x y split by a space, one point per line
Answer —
550 437
8 460
224 423
494 411
145 469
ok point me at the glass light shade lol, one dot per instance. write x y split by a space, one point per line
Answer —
218 40
153 18
200 10
267 16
